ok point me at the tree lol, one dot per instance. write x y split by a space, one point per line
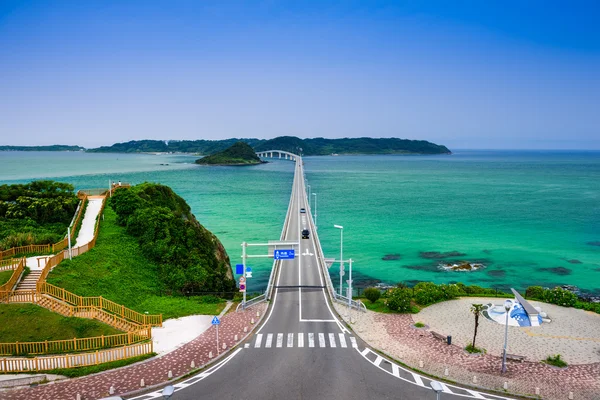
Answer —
372 294
476 310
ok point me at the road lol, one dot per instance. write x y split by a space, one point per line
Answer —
302 351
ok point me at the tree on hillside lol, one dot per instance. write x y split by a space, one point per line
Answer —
476 310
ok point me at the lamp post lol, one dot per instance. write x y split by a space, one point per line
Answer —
341 228
507 306
314 194
437 388
308 192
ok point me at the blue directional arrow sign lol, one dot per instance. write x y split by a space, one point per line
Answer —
215 321
283 254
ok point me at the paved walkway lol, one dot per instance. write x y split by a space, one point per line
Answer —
395 336
86 232
153 371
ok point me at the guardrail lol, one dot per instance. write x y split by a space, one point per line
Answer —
44 363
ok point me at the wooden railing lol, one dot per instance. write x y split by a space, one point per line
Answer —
14 277
43 363
75 344
9 265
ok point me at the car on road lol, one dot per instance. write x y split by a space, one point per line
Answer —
305 233
302 211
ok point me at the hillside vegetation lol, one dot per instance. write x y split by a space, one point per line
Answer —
307 147
38 212
54 147
238 154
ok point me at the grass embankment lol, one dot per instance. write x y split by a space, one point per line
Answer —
31 323
118 270
5 276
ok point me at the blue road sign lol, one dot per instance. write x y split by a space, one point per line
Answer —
215 321
283 254
239 269
248 269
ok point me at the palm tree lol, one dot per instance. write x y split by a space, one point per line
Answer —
476 309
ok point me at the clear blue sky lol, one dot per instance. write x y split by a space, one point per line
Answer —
467 74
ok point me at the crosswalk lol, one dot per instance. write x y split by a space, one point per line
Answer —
303 340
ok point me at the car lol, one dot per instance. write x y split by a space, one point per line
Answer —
305 233
302 211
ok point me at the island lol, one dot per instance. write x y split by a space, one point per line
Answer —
238 154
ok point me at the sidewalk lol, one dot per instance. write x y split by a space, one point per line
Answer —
153 371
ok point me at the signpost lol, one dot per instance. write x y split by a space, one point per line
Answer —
248 272
284 254
216 322
239 269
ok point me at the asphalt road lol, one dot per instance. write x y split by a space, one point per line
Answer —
302 351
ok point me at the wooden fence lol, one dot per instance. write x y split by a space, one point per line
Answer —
9 265
14 277
76 344
44 363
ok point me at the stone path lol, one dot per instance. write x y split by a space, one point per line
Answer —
153 371
394 335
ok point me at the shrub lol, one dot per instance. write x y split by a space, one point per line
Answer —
560 297
428 293
555 361
419 325
471 349
372 294
535 292
399 300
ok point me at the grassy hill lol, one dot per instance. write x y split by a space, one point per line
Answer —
238 154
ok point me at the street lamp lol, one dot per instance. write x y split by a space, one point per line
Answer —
168 392
308 192
507 306
341 228
314 194
437 388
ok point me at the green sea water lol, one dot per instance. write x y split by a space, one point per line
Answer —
528 217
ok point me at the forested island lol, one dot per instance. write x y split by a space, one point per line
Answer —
238 154
306 147
54 147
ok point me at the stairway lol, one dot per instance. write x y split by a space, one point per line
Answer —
55 305
30 281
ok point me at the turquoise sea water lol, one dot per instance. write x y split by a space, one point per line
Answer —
527 216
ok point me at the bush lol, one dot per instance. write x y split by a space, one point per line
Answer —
555 361
473 350
399 300
428 292
372 294
535 292
419 325
560 297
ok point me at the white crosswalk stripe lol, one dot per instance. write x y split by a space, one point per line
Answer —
286 340
353 341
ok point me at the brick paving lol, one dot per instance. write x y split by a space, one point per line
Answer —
153 371
394 335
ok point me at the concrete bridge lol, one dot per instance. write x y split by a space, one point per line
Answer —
271 154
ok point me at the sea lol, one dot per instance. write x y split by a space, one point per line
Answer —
525 217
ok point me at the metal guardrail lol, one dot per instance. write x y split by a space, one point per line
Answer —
252 302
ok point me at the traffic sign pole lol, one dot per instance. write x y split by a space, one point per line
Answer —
244 274
218 339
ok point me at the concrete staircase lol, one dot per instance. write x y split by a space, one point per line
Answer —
30 281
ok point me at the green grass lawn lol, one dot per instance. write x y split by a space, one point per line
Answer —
31 323
117 270
5 276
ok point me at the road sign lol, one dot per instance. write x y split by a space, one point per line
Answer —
242 287
215 321
284 254
242 279
248 269
248 274
239 269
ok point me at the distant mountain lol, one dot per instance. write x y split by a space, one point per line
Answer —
55 147
307 147
238 154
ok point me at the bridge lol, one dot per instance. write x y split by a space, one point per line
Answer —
285 154
302 349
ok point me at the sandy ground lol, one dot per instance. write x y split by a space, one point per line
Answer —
574 334
179 331
86 233
32 262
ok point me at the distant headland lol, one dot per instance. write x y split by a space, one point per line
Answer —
292 144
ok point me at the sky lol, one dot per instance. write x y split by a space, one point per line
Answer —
466 74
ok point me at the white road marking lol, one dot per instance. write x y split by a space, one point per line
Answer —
300 339
332 340
279 340
269 340
247 345
418 380
365 352
475 394
342 340
318 320
258 340
395 371
353 341
321 340
290 342
311 340
378 361
446 388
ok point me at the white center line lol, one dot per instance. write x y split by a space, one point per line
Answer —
321 340
332 340
269 340
290 342
300 339
258 340
342 340
353 341
279 339
311 340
